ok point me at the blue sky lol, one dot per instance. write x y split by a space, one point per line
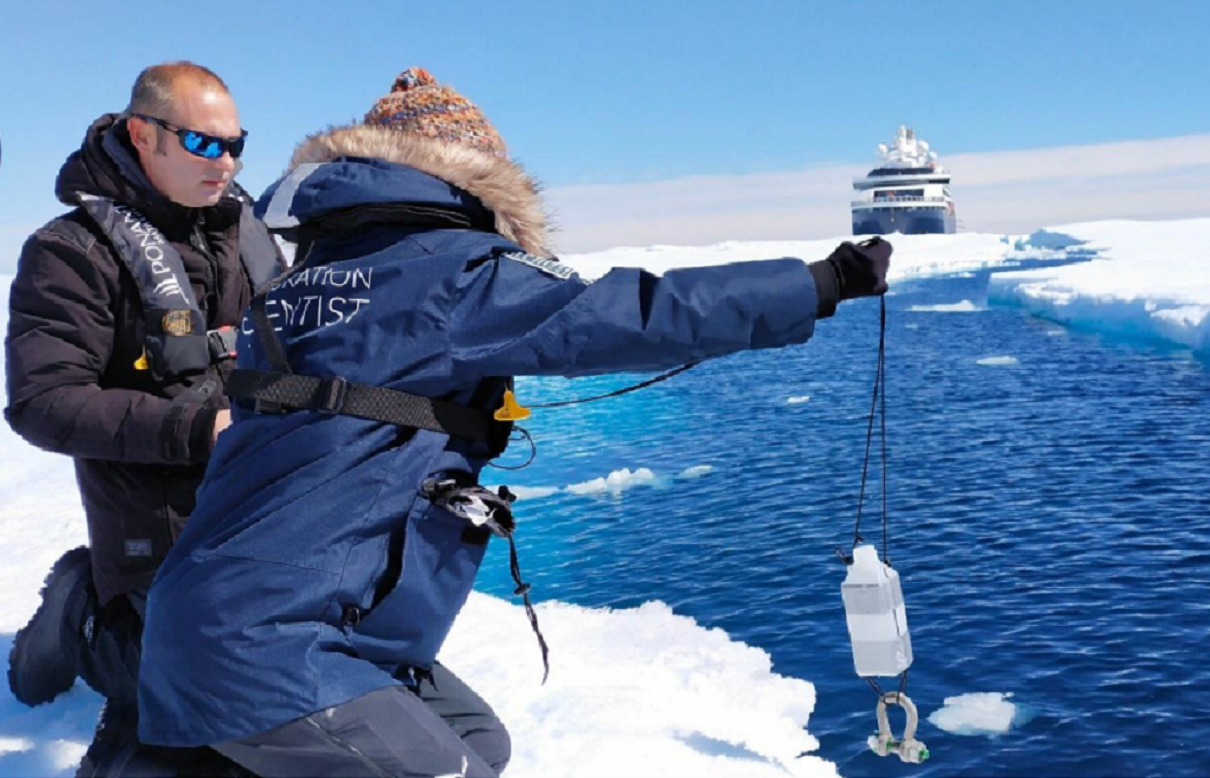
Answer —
618 100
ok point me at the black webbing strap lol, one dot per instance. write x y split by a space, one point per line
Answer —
335 395
281 387
268 338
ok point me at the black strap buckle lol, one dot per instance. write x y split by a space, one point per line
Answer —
435 489
268 406
332 394
221 343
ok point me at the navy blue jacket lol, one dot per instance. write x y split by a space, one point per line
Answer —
295 520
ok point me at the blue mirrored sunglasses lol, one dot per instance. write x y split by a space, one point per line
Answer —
200 144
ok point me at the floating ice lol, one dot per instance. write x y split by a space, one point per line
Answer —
615 483
982 713
997 361
966 306
802 398
533 492
697 471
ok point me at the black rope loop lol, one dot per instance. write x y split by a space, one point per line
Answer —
876 408
533 450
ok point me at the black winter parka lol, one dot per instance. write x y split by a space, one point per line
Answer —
76 330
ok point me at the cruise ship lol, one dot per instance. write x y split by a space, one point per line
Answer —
909 191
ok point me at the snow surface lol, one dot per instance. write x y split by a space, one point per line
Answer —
646 691
1150 279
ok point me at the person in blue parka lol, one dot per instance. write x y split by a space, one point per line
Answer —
295 625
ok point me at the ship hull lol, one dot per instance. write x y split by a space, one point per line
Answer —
906 221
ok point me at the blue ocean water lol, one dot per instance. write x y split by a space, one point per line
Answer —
1050 519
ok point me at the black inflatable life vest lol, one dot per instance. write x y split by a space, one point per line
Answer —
176 341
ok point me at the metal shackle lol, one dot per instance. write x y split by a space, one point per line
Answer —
908 749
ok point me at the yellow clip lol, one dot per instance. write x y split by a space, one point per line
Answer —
511 410
141 363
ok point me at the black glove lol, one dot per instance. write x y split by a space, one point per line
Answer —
851 271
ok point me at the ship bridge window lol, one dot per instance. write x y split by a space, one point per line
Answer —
900 171
894 194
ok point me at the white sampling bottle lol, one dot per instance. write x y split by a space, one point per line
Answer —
873 605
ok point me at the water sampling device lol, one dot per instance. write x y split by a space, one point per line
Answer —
873 602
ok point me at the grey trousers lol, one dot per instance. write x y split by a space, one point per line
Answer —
441 729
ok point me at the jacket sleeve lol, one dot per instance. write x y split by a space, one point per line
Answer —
512 318
60 337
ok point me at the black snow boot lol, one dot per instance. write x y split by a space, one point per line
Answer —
110 649
44 659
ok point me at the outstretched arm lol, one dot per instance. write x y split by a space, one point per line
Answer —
512 317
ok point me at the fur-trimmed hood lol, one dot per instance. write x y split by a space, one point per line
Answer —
500 184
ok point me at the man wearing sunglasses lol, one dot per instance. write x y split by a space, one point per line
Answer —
119 345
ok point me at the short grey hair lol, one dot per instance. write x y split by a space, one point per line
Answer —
153 91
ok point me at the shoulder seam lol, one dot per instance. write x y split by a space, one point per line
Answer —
64 230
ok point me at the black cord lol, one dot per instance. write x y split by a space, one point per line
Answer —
901 692
663 376
882 380
533 451
522 591
649 382
879 378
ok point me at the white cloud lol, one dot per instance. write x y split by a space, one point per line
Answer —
702 210
996 192
1004 191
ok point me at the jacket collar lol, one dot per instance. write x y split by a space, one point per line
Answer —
498 184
